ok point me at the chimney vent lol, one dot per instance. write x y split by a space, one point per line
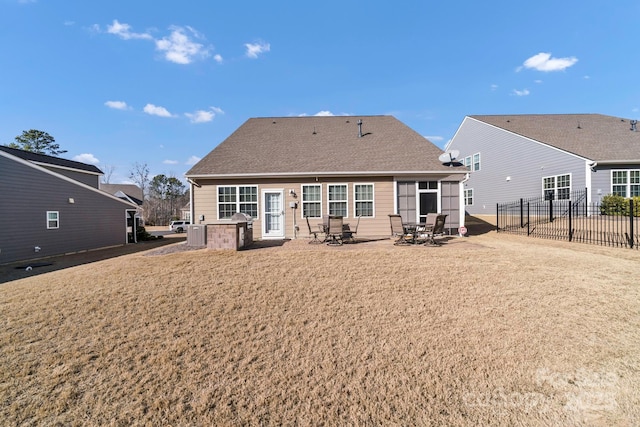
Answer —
359 128
633 125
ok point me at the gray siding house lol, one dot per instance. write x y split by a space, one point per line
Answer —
282 170
520 156
52 206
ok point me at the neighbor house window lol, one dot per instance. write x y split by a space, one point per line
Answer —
625 183
233 199
337 195
472 163
363 199
476 162
557 187
468 197
312 201
53 219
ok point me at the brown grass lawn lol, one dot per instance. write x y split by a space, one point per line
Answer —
487 330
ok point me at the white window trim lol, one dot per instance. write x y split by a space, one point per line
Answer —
373 201
466 190
346 200
57 220
473 163
470 164
627 184
237 187
302 202
555 184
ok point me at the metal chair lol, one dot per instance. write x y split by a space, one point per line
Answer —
349 235
335 230
399 231
436 231
314 233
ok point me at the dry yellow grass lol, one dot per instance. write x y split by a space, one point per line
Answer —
488 330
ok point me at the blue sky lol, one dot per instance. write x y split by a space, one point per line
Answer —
162 83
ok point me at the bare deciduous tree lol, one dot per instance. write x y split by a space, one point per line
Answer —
108 172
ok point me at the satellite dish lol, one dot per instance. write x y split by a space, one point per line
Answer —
449 158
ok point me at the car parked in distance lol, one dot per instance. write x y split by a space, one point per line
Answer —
178 226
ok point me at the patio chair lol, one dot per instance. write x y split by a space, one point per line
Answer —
436 231
349 235
399 232
314 233
423 231
335 230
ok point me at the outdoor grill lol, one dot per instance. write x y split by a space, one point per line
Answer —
246 232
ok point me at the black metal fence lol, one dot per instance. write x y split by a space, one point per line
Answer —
572 219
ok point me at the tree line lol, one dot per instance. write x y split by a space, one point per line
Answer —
163 196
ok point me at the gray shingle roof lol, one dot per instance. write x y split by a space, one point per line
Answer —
51 160
320 146
593 136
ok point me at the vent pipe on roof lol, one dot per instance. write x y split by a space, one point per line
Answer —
633 125
359 128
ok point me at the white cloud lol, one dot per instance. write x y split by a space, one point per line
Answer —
180 48
203 116
124 31
255 49
170 162
538 81
494 87
523 92
218 58
156 111
193 160
117 105
435 138
86 158
544 62
325 113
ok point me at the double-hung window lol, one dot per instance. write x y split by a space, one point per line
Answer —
53 220
232 199
557 187
468 197
337 196
363 199
312 201
472 163
625 183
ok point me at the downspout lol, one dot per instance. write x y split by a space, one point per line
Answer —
462 205
192 214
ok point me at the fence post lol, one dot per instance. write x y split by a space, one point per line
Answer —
631 214
497 217
521 214
528 221
570 222
550 210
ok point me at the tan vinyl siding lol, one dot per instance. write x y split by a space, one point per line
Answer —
205 203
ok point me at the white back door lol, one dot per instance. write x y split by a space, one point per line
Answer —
273 214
